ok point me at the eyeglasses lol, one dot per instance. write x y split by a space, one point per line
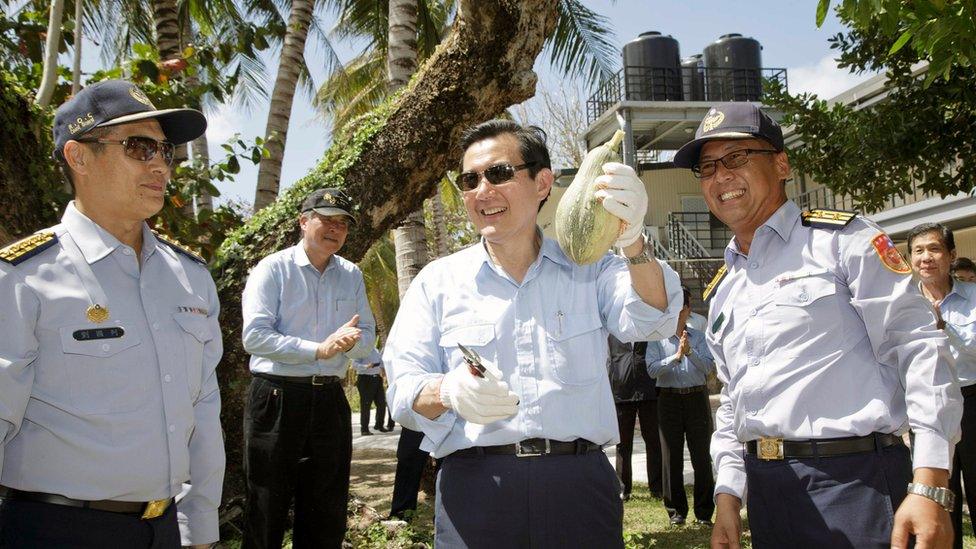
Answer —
140 147
734 159
496 175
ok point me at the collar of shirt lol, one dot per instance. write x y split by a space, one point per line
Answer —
95 242
782 222
302 260
549 250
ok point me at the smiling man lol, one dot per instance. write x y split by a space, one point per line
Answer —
827 355
305 316
109 342
522 444
932 248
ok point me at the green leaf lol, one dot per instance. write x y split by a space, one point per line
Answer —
256 155
233 165
822 8
900 43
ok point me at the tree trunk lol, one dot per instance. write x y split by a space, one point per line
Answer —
201 151
76 61
292 52
410 242
165 19
50 77
389 163
440 225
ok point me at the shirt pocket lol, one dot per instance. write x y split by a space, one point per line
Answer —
573 341
480 338
195 331
106 374
805 291
344 308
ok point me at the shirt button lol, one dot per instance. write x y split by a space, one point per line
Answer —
167 378
155 325
803 296
172 428
754 265
106 346
755 362
754 312
126 251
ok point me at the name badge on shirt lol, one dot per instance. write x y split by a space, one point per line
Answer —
114 332
194 310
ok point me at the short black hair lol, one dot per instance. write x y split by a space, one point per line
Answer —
962 264
945 233
687 296
532 143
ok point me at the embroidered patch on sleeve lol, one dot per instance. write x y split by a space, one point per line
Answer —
889 255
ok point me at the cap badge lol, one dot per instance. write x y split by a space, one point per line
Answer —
139 96
328 198
81 123
712 120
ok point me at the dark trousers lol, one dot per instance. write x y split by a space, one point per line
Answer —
964 465
548 501
682 417
409 470
370 391
29 524
837 502
627 414
297 445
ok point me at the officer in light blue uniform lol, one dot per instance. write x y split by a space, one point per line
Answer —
369 383
827 355
109 342
932 248
522 441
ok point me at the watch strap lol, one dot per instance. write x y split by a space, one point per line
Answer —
943 496
646 255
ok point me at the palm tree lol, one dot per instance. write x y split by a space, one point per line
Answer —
50 78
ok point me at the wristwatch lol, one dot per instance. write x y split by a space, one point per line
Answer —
942 496
646 255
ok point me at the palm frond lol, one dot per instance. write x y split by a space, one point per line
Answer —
582 44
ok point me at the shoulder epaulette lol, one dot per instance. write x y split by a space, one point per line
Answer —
28 247
715 282
179 248
827 219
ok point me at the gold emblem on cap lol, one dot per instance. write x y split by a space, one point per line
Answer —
139 96
97 314
81 123
712 120
328 197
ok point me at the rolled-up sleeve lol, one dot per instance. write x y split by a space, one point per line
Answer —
18 350
412 359
901 327
260 305
198 503
623 311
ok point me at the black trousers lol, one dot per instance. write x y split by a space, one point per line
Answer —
539 502
297 445
409 470
964 466
627 414
840 502
682 417
30 524
370 391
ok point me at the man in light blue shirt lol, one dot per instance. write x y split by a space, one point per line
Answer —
932 248
305 315
109 344
681 364
369 383
539 323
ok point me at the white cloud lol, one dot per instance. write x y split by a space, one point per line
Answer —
823 78
222 124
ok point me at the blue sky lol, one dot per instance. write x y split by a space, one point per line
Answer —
785 28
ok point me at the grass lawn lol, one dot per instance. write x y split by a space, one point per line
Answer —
645 520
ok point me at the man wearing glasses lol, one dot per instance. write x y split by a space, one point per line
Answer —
109 407
305 316
521 430
827 355
932 251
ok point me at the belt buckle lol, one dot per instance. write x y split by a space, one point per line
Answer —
155 509
320 383
770 448
521 453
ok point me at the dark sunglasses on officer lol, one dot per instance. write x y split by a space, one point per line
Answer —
139 147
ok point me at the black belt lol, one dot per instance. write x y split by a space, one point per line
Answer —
145 509
532 447
682 390
968 390
777 448
316 381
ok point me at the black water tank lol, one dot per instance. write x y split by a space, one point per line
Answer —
652 68
693 78
733 66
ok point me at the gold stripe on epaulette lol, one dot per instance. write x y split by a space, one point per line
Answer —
715 281
830 215
22 247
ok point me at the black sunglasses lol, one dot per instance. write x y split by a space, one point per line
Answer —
497 174
140 147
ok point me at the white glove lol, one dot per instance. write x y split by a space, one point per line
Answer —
623 195
479 400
